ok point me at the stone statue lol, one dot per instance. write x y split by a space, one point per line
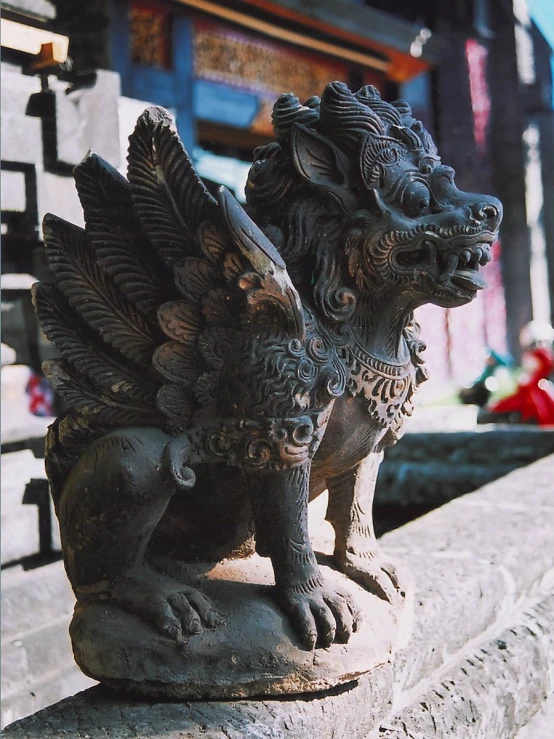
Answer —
223 366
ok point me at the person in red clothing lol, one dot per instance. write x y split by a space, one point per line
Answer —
533 400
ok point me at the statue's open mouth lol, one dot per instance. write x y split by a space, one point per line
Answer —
462 268
454 267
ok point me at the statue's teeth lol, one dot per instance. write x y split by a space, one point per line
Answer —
465 256
486 258
449 267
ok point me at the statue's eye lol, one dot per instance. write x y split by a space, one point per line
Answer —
416 199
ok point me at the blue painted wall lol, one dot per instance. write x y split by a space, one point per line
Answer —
218 103
171 88
175 88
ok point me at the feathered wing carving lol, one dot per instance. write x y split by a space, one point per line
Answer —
121 247
169 197
149 299
236 282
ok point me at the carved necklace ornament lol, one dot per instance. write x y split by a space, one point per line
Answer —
221 366
387 388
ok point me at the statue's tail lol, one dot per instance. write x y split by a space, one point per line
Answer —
178 454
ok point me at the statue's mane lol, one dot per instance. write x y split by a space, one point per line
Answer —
368 132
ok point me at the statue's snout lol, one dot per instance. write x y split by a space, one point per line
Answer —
487 210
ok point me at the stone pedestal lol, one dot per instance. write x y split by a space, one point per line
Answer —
254 652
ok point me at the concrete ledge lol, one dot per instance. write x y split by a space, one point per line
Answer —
431 467
492 689
37 661
480 664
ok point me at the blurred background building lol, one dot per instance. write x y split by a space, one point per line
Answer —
76 76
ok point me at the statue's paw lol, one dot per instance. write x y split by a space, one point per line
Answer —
181 614
378 573
175 610
322 616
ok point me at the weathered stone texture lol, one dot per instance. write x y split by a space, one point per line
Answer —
484 613
37 662
540 726
254 652
340 714
492 689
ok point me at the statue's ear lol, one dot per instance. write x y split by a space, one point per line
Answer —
320 163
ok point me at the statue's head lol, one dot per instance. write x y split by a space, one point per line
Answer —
355 192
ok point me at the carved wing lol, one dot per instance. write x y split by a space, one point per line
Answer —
148 300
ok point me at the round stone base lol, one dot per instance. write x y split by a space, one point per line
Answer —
255 652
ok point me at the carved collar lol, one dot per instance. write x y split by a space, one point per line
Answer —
387 388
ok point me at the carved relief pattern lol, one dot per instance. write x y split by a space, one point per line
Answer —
259 66
149 34
265 68
388 389
273 444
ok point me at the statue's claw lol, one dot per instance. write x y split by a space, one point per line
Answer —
175 610
322 616
378 573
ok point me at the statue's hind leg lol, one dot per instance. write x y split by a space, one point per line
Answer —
357 552
110 505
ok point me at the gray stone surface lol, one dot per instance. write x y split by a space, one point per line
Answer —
35 653
39 9
21 133
13 191
493 689
37 662
43 691
34 597
57 193
340 714
87 118
542 723
485 582
479 664
90 110
20 525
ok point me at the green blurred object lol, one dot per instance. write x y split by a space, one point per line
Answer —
482 388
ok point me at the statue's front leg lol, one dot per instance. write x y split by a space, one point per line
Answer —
357 552
319 612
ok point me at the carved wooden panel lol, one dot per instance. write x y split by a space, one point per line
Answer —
247 62
149 35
